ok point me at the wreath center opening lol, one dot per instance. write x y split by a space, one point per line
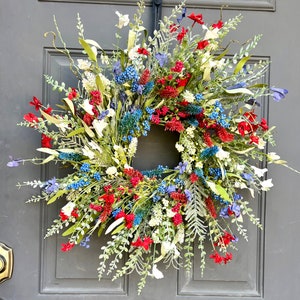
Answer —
157 148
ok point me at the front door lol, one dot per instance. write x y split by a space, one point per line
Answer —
265 268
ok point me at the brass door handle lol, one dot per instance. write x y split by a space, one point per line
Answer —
6 262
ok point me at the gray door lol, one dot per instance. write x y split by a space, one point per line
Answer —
266 268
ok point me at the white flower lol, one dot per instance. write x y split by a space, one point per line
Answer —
95 146
133 52
105 81
104 59
132 147
83 64
89 82
222 155
179 147
86 151
259 172
273 156
87 107
68 208
123 20
111 112
111 170
211 34
99 125
156 273
266 184
190 131
240 167
170 213
188 96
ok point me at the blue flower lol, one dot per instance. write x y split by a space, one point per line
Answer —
209 152
116 211
85 242
85 167
278 93
97 176
156 198
199 97
237 86
138 218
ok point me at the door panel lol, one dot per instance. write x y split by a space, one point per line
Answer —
265 268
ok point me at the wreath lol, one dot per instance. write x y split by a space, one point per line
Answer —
183 80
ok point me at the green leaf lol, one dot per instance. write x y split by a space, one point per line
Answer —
48 159
118 229
56 196
220 191
239 91
70 104
47 150
131 40
241 64
70 230
100 84
50 118
87 48
76 131
88 130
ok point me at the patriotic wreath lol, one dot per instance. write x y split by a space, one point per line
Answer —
184 80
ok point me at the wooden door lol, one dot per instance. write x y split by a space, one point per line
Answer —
265 268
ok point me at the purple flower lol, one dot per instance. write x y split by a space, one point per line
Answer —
162 58
14 162
247 177
171 188
278 93
181 167
237 86
188 195
51 186
179 19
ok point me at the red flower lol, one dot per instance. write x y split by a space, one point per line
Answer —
129 220
263 124
48 110
142 51
210 207
143 243
254 139
177 219
169 92
174 125
67 247
108 198
155 119
202 44
207 139
196 18
173 28
224 135
244 128
96 207
36 103
107 188
31 118
218 259
145 77
88 119
250 115
134 181
96 98
46 141
227 257
183 81
193 177
178 66
182 34
178 196
63 216
73 94
74 213
176 208
218 25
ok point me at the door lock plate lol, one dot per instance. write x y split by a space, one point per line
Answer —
6 262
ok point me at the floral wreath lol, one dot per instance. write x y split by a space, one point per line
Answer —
185 83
